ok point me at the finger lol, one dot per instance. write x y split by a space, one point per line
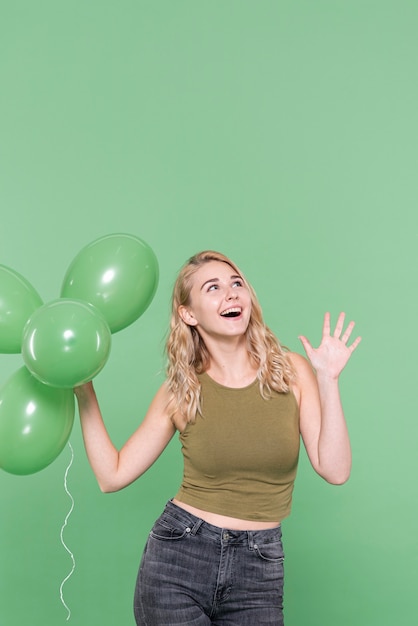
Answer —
326 326
348 332
354 344
339 325
306 344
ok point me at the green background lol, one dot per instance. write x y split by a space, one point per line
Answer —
285 135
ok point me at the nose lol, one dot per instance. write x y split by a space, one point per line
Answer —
232 294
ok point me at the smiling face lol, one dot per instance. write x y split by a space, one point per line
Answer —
219 303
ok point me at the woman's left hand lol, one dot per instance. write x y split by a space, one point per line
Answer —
333 353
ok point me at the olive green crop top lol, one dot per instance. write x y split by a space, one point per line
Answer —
240 458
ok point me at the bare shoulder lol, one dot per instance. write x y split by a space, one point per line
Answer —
301 364
161 402
159 409
163 405
163 393
305 376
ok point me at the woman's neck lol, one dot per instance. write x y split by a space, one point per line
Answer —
232 368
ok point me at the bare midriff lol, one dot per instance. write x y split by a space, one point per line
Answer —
223 521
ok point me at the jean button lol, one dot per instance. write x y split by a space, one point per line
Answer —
188 530
226 536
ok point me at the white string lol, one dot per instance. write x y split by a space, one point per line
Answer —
62 530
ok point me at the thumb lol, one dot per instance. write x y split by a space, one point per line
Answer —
306 344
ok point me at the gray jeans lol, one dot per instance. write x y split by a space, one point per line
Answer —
196 574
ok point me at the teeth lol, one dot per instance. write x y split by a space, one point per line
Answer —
231 310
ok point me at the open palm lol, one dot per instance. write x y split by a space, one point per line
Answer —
333 353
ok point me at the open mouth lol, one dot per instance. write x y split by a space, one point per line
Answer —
232 312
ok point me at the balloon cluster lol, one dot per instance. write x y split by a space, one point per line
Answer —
65 343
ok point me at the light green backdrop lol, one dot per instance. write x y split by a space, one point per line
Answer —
285 135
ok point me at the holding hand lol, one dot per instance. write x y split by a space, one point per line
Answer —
333 353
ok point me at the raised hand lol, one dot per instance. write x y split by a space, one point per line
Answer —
333 353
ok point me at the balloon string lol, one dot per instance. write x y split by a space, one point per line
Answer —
62 530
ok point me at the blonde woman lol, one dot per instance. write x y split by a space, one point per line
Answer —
240 403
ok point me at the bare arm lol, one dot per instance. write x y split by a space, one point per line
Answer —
322 422
116 469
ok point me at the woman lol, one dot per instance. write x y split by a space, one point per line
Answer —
240 403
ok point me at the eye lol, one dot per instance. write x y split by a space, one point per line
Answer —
237 283
212 287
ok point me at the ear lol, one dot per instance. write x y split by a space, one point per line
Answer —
187 316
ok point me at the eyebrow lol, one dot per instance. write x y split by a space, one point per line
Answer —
216 280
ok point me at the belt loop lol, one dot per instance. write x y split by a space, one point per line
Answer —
196 527
250 540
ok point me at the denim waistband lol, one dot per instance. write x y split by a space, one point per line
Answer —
199 526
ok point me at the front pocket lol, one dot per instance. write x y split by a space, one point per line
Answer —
270 552
166 532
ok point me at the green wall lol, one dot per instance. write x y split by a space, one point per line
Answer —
283 133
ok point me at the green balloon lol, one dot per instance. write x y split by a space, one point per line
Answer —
118 274
18 300
66 343
35 423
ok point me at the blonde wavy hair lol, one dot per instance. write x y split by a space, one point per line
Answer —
188 356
